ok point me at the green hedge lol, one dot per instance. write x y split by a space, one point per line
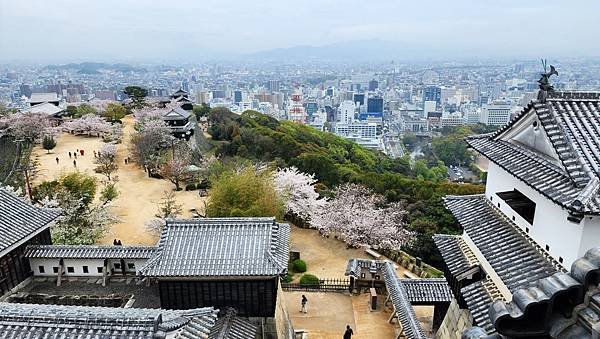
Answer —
299 266
309 279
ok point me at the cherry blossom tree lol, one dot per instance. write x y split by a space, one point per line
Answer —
106 160
359 217
27 126
298 192
89 124
151 137
176 171
81 223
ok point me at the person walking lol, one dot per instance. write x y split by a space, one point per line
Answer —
348 334
69 155
57 160
304 301
74 163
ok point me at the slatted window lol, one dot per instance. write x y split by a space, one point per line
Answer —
521 204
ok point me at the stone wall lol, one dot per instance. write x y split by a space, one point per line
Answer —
456 321
282 319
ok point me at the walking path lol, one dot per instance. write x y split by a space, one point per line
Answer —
138 194
330 312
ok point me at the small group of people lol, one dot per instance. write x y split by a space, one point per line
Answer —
303 309
71 155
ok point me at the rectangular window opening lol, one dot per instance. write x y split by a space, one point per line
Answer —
71 269
99 268
42 269
55 269
521 204
86 269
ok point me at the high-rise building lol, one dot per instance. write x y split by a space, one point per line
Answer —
296 111
428 106
373 85
359 99
432 93
273 85
25 90
311 108
497 114
218 94
375 104
346 111
237 96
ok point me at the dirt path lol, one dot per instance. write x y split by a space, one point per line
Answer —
139 194
326 257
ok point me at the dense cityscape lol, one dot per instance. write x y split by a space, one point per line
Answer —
373 105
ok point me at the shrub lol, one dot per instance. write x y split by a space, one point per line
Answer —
299 266
190 187
288 278
309 279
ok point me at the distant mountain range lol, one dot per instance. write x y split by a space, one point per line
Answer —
96 67
366 50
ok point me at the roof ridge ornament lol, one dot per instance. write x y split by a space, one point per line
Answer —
544 82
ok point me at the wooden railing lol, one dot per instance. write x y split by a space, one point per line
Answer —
325 285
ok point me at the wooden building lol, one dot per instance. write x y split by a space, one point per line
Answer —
21 224
221 262
179 121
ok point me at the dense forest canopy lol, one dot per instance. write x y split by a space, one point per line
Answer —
335 160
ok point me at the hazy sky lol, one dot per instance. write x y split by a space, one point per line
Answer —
53 30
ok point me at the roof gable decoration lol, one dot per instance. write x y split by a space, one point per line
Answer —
571 124
529 132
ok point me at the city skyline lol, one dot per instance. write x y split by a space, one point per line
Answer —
64 31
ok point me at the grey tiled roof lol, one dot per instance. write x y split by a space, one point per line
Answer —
404 311
355 266
176 113
512 254
534 170
571 120
58 321
89 252
232 327
457 256
565 306
478 298
428 290
221 247
19 220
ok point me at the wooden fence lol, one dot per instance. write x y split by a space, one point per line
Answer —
325 285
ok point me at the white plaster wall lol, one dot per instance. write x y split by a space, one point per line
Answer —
550 225
591 234
78 264
47 263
